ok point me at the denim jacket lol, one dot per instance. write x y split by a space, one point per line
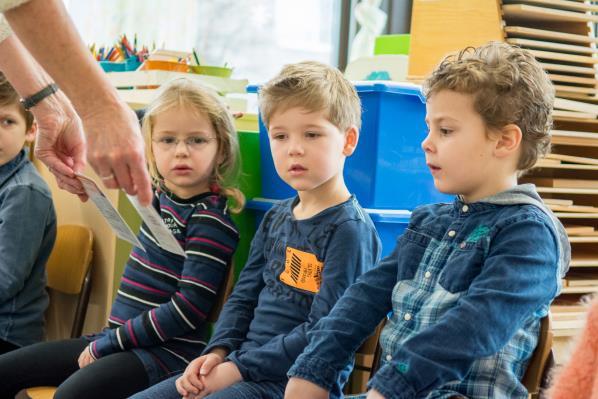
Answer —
464 291
27 234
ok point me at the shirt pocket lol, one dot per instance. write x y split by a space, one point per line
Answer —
462 267
411 248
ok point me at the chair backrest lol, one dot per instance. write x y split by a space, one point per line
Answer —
223 293
366 359
69 270
540 361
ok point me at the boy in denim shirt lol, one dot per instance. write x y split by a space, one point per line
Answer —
306 252
27 228
468 282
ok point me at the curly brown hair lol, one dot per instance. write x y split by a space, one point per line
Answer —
509 87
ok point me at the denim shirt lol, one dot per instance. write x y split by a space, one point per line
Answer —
273 305
27 235
464 291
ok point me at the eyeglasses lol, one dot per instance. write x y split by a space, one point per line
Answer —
193 143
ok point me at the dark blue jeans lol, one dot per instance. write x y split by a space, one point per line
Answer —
241 390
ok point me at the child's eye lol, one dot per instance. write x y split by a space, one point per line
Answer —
167 140
445 132
7 122
312 135
196 140
279 136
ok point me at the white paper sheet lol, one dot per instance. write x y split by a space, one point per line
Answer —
106 208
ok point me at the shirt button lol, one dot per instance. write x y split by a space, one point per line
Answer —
407 316
462 245
465 208
427 274
388 358
452 233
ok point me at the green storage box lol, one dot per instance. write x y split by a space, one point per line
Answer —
392 44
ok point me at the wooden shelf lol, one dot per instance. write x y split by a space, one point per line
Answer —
579 290
525 12
562 4
515 31
541 44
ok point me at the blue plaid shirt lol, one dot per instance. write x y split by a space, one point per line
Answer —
466 287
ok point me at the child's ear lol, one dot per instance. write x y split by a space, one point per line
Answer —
31 132
351 139
508 141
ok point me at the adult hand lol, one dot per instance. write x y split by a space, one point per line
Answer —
115 149
85 357
60 142
298 388
190 383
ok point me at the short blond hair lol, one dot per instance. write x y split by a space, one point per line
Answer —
508 86
315 87
192 96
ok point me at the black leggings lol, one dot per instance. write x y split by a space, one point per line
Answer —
119 375
7 347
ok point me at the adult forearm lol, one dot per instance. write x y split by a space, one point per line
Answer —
47 31
25 75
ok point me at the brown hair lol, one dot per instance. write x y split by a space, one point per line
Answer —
183 92
508 85
9 96
313 86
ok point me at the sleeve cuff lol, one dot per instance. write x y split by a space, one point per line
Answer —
391 383
315 370
215 344
234 357
103 346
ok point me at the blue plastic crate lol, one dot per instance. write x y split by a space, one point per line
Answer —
389 223
388 169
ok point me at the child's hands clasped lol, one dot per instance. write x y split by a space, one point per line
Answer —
190 382
207 374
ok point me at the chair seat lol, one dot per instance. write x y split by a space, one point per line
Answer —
41 392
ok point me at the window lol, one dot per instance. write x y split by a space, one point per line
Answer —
256 37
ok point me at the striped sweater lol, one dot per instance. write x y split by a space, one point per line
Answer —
163 298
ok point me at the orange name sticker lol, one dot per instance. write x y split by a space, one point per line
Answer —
302 270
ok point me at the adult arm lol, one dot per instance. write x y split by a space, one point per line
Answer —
114 139
60 143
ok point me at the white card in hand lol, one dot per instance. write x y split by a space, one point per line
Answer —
154 222
106 208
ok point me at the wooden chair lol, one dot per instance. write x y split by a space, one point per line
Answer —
227 285
69 272
542 360
366 363
225 289
367 360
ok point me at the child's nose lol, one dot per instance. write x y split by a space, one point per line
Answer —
427 144
295 147
181 148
